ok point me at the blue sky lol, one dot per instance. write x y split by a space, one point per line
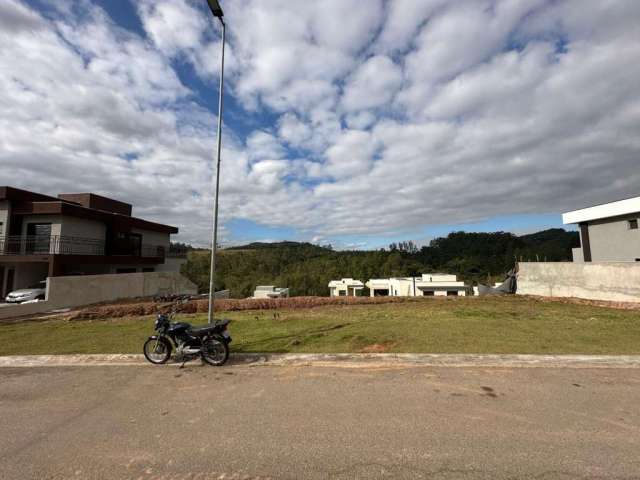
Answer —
356 127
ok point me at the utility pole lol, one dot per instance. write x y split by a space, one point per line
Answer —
216 10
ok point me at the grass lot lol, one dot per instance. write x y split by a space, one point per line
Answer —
462 325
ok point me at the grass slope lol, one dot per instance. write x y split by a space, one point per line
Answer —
463 325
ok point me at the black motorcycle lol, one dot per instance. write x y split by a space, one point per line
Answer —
210 342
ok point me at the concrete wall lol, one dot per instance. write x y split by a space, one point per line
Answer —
577 254
75 291
618 282
85 290
611 240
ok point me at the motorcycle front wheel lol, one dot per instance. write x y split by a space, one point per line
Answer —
215 351
157 350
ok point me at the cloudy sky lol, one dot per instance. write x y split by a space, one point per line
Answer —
349 122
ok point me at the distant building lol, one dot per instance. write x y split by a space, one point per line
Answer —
269 291
429 284
346 287
608 232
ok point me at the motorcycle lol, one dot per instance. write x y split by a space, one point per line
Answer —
210 342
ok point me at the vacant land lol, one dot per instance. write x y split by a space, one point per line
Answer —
462 325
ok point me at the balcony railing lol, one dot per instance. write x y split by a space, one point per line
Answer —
50 244
69 245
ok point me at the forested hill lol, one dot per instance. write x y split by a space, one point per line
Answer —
307 269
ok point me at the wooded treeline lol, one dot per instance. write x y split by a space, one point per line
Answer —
307 269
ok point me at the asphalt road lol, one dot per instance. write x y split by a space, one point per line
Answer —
319 422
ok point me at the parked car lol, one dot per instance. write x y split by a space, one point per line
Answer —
34 292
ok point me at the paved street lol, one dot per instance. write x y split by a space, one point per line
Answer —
319 422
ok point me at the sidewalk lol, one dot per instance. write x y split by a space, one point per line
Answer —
347 360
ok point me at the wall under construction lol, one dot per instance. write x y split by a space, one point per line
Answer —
610 281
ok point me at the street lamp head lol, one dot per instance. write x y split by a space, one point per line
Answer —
215 8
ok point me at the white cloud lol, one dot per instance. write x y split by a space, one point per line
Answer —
379 120
292 130
404 18
15 17
373 84
173 25
351 154
262 145
178 28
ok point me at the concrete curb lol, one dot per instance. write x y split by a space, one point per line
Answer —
346 360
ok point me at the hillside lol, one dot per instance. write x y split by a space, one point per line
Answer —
307 269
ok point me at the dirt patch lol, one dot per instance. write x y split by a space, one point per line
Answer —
377 348
592 303
148 307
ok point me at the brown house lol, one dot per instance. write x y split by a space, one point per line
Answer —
74 234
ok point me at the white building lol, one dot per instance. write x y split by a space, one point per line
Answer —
346 287
429 284
269 291
608 233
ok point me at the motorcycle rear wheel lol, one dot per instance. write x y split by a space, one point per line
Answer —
157 350
215 351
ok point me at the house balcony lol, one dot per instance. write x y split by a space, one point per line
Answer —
71 245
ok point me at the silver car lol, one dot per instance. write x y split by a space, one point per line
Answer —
34 292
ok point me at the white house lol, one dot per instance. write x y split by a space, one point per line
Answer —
429 284
346 287
269 291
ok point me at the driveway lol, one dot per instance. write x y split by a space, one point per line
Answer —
319 422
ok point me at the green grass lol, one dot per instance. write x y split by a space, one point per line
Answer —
464 325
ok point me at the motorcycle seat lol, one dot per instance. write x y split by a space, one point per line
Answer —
217 325
198 331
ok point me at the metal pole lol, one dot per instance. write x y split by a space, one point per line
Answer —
214 240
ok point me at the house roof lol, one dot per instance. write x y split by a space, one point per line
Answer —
19 195
28 203
605 210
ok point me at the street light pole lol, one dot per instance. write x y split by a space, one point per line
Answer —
217 12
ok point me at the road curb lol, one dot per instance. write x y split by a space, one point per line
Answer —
347 360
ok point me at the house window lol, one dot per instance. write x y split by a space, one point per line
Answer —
633 224
452 293
1 228
428 293
342 293
38 238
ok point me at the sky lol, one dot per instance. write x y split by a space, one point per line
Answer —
346 122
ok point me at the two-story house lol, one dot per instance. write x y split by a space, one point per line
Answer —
74 234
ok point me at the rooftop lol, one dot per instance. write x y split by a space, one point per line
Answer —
605 210
81 205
